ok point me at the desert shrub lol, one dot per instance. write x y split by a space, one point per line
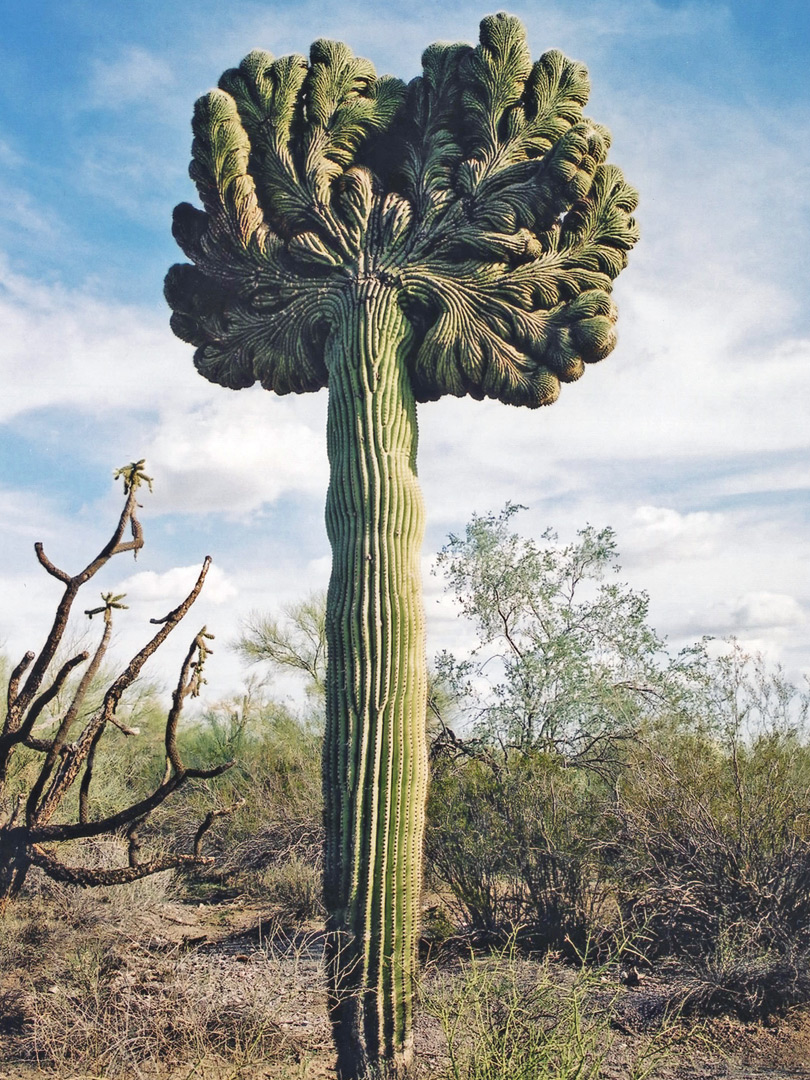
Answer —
708 841
511 836
275 784
711 852
712 817
293 887
743 978
506 1017
565 660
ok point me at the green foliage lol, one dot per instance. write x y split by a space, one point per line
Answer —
133 476
565 659
507 1018
712 816
480 194
295 642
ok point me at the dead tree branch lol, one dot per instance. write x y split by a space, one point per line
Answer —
64 761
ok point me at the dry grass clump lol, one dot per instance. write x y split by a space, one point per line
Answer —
294 889
113 1016
88 987
509 1017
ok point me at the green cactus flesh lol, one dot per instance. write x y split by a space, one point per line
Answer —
456 236
375 763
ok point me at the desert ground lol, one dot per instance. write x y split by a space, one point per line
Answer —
146 982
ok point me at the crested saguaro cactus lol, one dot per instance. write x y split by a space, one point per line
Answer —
393 243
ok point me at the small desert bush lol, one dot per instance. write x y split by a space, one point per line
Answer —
292 888
708 839
512 838
710 851
507 1017
742 978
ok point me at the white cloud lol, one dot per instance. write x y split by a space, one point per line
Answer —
658 533
760 615
394 36
135 76
771 624
132 173
167 589
26 517
765 611
29 600
213 449
19 212
238 451
318 571
65 347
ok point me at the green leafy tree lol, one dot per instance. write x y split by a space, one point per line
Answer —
565 659
393 243
566 673
295 642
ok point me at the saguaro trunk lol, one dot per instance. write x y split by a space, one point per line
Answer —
375 755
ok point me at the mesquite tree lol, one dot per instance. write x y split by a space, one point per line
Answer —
393 243
67 738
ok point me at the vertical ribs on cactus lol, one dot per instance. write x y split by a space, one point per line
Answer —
459 235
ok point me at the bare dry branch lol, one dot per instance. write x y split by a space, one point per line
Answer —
87 877
45 698
209 820
60 738
54 571
13 687
64 762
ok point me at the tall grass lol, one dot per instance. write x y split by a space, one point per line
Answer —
508 1017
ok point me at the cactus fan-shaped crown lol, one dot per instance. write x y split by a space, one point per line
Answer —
479 192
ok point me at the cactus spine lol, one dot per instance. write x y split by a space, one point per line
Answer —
456 236
375 757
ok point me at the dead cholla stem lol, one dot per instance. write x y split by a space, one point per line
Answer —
20 700
29 825
209 820
14 684
56 747
87 878
81 753
134 844
189 685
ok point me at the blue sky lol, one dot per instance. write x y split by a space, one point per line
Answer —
691 439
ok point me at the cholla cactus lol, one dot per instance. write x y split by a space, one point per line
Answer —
69 744
393 243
